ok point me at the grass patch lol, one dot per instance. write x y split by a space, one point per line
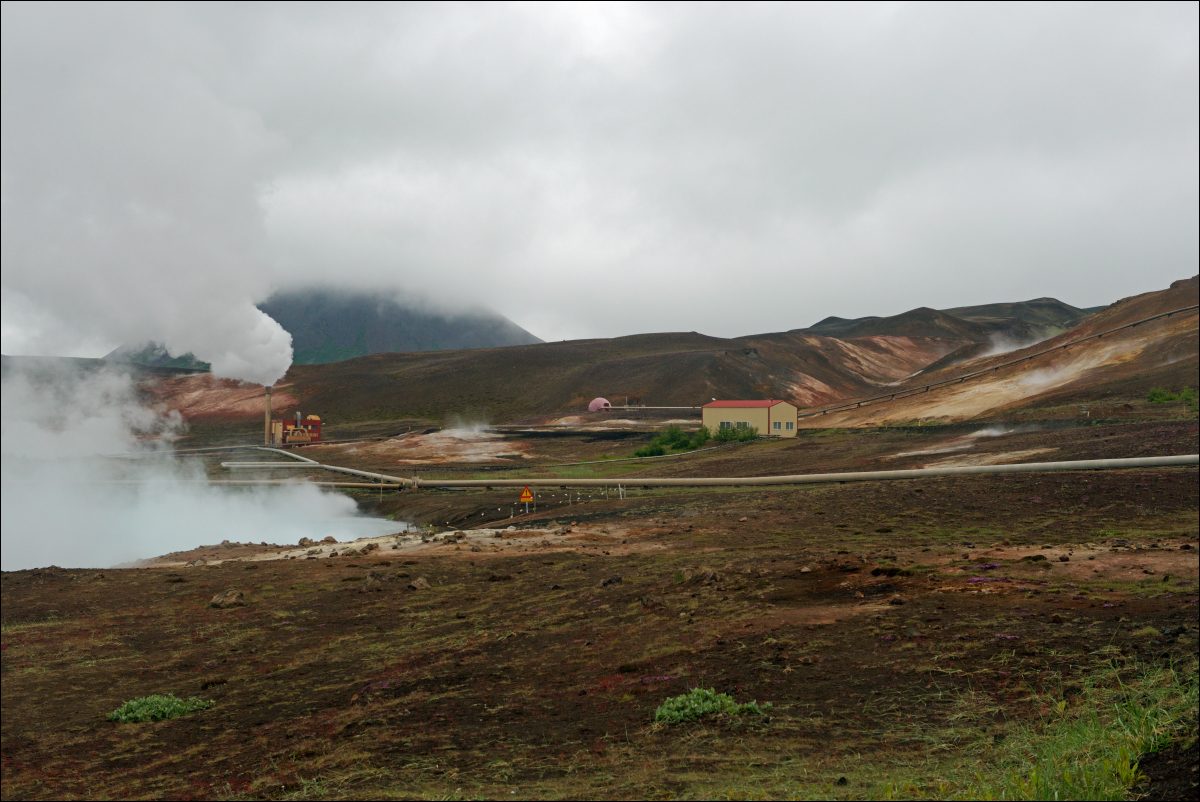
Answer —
157 708
701 702
1088 748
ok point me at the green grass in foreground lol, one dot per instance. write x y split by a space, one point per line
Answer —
1088 747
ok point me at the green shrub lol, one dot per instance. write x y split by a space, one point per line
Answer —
157 708
1160 396
733 434
674 438
672 435
652 449
1192 398
701 702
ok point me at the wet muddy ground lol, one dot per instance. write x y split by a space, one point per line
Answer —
889 624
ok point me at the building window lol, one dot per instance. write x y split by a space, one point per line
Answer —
726 424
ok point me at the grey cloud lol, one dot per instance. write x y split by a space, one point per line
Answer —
602 170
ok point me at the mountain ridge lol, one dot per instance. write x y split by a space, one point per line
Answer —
329 325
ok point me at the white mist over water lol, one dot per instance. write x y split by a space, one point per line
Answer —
69 502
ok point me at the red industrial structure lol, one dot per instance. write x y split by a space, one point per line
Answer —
287 432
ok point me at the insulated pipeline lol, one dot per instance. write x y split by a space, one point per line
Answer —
819 478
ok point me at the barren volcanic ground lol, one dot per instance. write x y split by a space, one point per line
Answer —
903 632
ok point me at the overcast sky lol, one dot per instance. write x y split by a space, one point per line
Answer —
586 170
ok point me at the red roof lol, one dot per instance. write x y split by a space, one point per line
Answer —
767 403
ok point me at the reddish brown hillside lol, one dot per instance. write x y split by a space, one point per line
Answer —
1124 364
519 382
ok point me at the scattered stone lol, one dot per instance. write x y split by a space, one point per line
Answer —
896 600
229 598
612 580
420 583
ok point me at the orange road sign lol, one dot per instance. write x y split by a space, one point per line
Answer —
526 496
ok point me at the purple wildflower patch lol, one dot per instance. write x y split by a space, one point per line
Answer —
648 680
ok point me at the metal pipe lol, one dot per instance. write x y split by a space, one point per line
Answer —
287 454
819 478
267 424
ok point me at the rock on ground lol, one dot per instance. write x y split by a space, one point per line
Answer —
229 598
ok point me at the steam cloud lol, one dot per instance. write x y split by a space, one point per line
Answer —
68 502
131 189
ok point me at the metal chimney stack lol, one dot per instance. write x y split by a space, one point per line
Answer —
267 426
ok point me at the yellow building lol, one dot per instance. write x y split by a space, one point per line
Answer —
772 418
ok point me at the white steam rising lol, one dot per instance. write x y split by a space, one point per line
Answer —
66 503
131 198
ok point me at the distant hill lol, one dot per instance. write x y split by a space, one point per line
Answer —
1023 321
155 355
331 326
920 322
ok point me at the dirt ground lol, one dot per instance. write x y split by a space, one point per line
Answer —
886 623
